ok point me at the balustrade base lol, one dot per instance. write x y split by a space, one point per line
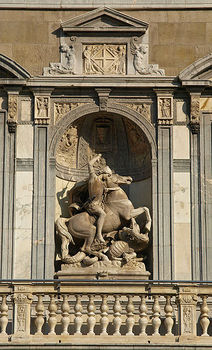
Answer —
160 342
101 273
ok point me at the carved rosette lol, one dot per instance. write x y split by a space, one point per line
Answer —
187 300
165 110
195 114
62 108
12 112
42 104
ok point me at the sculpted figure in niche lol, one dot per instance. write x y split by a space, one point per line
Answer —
102 225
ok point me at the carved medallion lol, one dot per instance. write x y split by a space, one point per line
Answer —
104 59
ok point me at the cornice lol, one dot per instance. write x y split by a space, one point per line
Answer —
116 4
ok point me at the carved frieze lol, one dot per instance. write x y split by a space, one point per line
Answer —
104 59
140 59
42 109
165 110
195 114
142 108
62 108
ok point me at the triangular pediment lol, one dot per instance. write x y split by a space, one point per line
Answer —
104 19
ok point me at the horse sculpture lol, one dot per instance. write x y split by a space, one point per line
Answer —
120 216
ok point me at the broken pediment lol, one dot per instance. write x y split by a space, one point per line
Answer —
199 70
104 19
11 69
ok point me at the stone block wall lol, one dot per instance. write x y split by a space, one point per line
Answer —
177 37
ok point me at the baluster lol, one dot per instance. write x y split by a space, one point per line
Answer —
4 315
117 315
143 321
52 315
65 315
78 315
204 320
130 321
91 315
156 322
39 321
169 313
104 313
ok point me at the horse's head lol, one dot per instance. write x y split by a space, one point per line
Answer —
120 180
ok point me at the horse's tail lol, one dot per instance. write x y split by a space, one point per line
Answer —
62 230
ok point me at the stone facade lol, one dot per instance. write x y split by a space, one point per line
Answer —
131 84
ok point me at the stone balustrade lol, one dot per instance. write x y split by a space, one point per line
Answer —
105 311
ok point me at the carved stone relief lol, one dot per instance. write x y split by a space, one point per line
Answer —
12 107
104 59
195 114
67 64
67 148
12 112
142 108
42 109
62 108
140 59
187 319
165 110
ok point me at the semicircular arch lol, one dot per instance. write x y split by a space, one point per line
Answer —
116 109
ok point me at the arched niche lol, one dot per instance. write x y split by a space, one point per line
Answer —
126 142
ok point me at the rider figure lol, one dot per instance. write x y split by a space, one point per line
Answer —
96 189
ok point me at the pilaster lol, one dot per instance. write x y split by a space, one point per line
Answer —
164 173
42 234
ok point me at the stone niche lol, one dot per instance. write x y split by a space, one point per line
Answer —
124 148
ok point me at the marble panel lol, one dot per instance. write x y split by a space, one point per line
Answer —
181 111
24 141
182 251
181 192
23 225
181 149
26 109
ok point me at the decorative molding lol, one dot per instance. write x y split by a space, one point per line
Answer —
62 108
181 165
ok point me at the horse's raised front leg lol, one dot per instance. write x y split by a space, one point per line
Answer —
138 211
